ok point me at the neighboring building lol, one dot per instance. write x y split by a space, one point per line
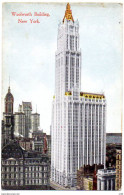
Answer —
9 101
8 119
78 128
20 124
26 143
12 166
106 179
111 154
114 138
118 169
37 169
39 142
35 121
88 183
48 145
27 109
26 121
38 137
24 170
87 173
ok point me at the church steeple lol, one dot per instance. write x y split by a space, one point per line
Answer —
9 100
68 13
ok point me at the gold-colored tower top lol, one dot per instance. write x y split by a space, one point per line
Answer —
68 13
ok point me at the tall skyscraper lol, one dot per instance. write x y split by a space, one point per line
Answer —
35 121
19 129
27 109
23 119
26 122
78 134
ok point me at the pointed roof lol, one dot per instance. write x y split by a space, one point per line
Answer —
9 95
68 13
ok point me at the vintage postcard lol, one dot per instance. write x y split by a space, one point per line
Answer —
61 121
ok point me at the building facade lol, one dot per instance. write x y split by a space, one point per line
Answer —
35 121
106 179
87 173
88 183
78 128
19 129
24 170
26 143
48 145
27 109
118 169
39 138
26 122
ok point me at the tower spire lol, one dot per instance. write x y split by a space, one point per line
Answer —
68 13
9 85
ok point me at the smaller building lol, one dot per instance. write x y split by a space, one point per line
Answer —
106 179
39 141
19 128
88 173
88 183
38 137
7 128
35 121
24 170
111 154
118 169
48 145
26 143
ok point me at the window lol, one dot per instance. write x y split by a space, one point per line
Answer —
72 42
9 108
76 43
67 42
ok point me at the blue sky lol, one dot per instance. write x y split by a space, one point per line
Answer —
29 55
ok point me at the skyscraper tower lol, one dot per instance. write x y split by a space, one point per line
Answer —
78 118
35 121
8 119
9 100
27 109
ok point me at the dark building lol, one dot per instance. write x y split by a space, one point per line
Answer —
111 150
113 143
49 145
87 174
9 101
24 170
26 143
118 169
8 119
40 139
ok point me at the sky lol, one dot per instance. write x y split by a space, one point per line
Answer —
29 55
